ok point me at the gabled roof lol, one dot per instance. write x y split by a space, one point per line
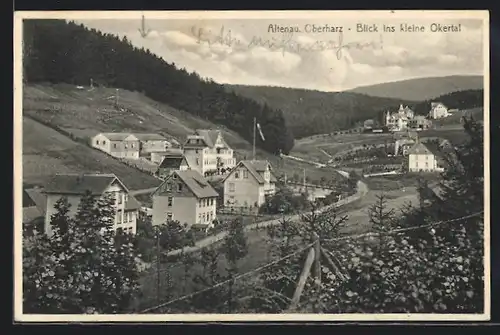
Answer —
203 142
38 198
27 201
115 136
132 203
419 149
31 213
437 103
210 135
195 182
254 167
78 184
171 161
149 137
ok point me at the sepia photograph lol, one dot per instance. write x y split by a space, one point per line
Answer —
251 166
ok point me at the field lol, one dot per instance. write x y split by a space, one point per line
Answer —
400 181
83 113
45 152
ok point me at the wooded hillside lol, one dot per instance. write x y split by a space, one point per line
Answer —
57 51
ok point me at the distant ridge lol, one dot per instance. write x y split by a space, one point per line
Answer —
422 88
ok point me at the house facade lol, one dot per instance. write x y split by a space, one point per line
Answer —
74 187
152 143
421 159
187 197
419 122
157 156
120 145
130 145
207 152
438 110
248 184
171 163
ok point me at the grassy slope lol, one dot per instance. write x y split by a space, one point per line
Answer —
45 151
422 88
83 114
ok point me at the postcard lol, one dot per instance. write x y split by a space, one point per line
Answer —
198 166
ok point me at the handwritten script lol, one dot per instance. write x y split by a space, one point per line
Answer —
284 43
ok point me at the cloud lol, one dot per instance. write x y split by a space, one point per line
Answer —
228 59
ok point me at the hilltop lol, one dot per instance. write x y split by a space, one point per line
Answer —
422 88
59 120
310 112
81 56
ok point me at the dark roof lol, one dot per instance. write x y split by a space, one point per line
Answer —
132 204
255 167
39 198
171 162
195 182
80 183
31 213
27 201
210 135
203 141
419 149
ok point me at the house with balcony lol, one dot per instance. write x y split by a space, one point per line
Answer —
74 186
208 153
186 197
248 184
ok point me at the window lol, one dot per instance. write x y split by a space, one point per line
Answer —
237 175
174 176
120 215
245 174
169 216
179 187
114 145
231 187
170 201
211 201
197 161
97 142
104 142
211 216
168 187
199 204
125 197
203 217
132 145
126 146
199 217
120 199
197 151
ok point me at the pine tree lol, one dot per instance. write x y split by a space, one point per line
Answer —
381 219
81 267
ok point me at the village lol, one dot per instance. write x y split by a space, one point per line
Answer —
189 171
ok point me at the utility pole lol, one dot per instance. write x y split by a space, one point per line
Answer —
304 178
254 130
157 230
116 99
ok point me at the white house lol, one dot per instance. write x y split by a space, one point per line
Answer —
420 158
207 152
74 186
438 110
120 145
248 184
187 197
130 145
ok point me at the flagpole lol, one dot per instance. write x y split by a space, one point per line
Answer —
254 130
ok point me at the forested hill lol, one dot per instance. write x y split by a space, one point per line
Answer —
422 88
314 112
461 100
57 51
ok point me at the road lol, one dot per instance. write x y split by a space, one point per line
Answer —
361 191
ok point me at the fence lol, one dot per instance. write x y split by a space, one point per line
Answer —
319 260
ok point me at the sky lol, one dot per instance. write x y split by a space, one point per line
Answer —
244 56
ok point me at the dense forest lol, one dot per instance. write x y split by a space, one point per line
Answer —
314 112
57 51
456 100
